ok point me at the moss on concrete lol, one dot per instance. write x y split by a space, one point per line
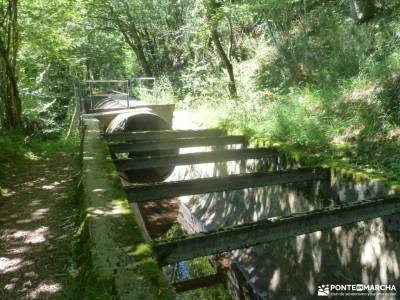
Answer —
116 261
339 166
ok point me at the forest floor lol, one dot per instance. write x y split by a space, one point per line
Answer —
37 217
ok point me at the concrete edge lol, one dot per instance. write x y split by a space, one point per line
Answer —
338 167
116 261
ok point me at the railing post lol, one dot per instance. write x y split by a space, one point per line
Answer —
128 83
90 93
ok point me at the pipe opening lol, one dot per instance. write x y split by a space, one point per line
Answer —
142 119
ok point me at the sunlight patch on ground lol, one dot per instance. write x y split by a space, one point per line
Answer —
114 210
19 250
8 265
183 120
50 186
31 274
9 286
32 244
23 221
45 288
39 214
35 203
30 237
7 192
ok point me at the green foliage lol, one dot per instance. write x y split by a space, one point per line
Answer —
295 122
307 75
16 148
56 54
13 148
43 149
195 268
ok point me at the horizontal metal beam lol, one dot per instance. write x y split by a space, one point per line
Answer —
244 236
163 190
143 78
197 283
148 162
161 134
177 143
95 113
103 81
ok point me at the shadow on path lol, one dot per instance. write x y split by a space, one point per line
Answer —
36 219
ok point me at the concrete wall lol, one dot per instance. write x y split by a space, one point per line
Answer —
366 252
117 262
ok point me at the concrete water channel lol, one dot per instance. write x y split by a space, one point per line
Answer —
270 228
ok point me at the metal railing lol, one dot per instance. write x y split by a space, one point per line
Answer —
86 89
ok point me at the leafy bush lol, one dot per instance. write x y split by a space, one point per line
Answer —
13 148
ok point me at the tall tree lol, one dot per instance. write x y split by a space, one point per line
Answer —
362 10
9 94
212 8
152 29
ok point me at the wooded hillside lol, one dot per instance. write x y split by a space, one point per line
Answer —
319 75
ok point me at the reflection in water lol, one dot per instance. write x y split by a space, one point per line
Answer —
366 252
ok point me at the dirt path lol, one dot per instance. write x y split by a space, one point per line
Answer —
35 229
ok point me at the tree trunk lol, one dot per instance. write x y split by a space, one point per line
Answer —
220 49
131 35
11 102
137 48
226 61
362 10
136 43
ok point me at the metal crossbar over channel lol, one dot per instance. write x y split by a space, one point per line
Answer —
240 236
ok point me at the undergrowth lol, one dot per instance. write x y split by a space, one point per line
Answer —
322 83
15 148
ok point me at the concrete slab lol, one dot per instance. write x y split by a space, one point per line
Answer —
118 262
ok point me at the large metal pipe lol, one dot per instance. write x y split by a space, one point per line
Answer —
115 101
140 119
